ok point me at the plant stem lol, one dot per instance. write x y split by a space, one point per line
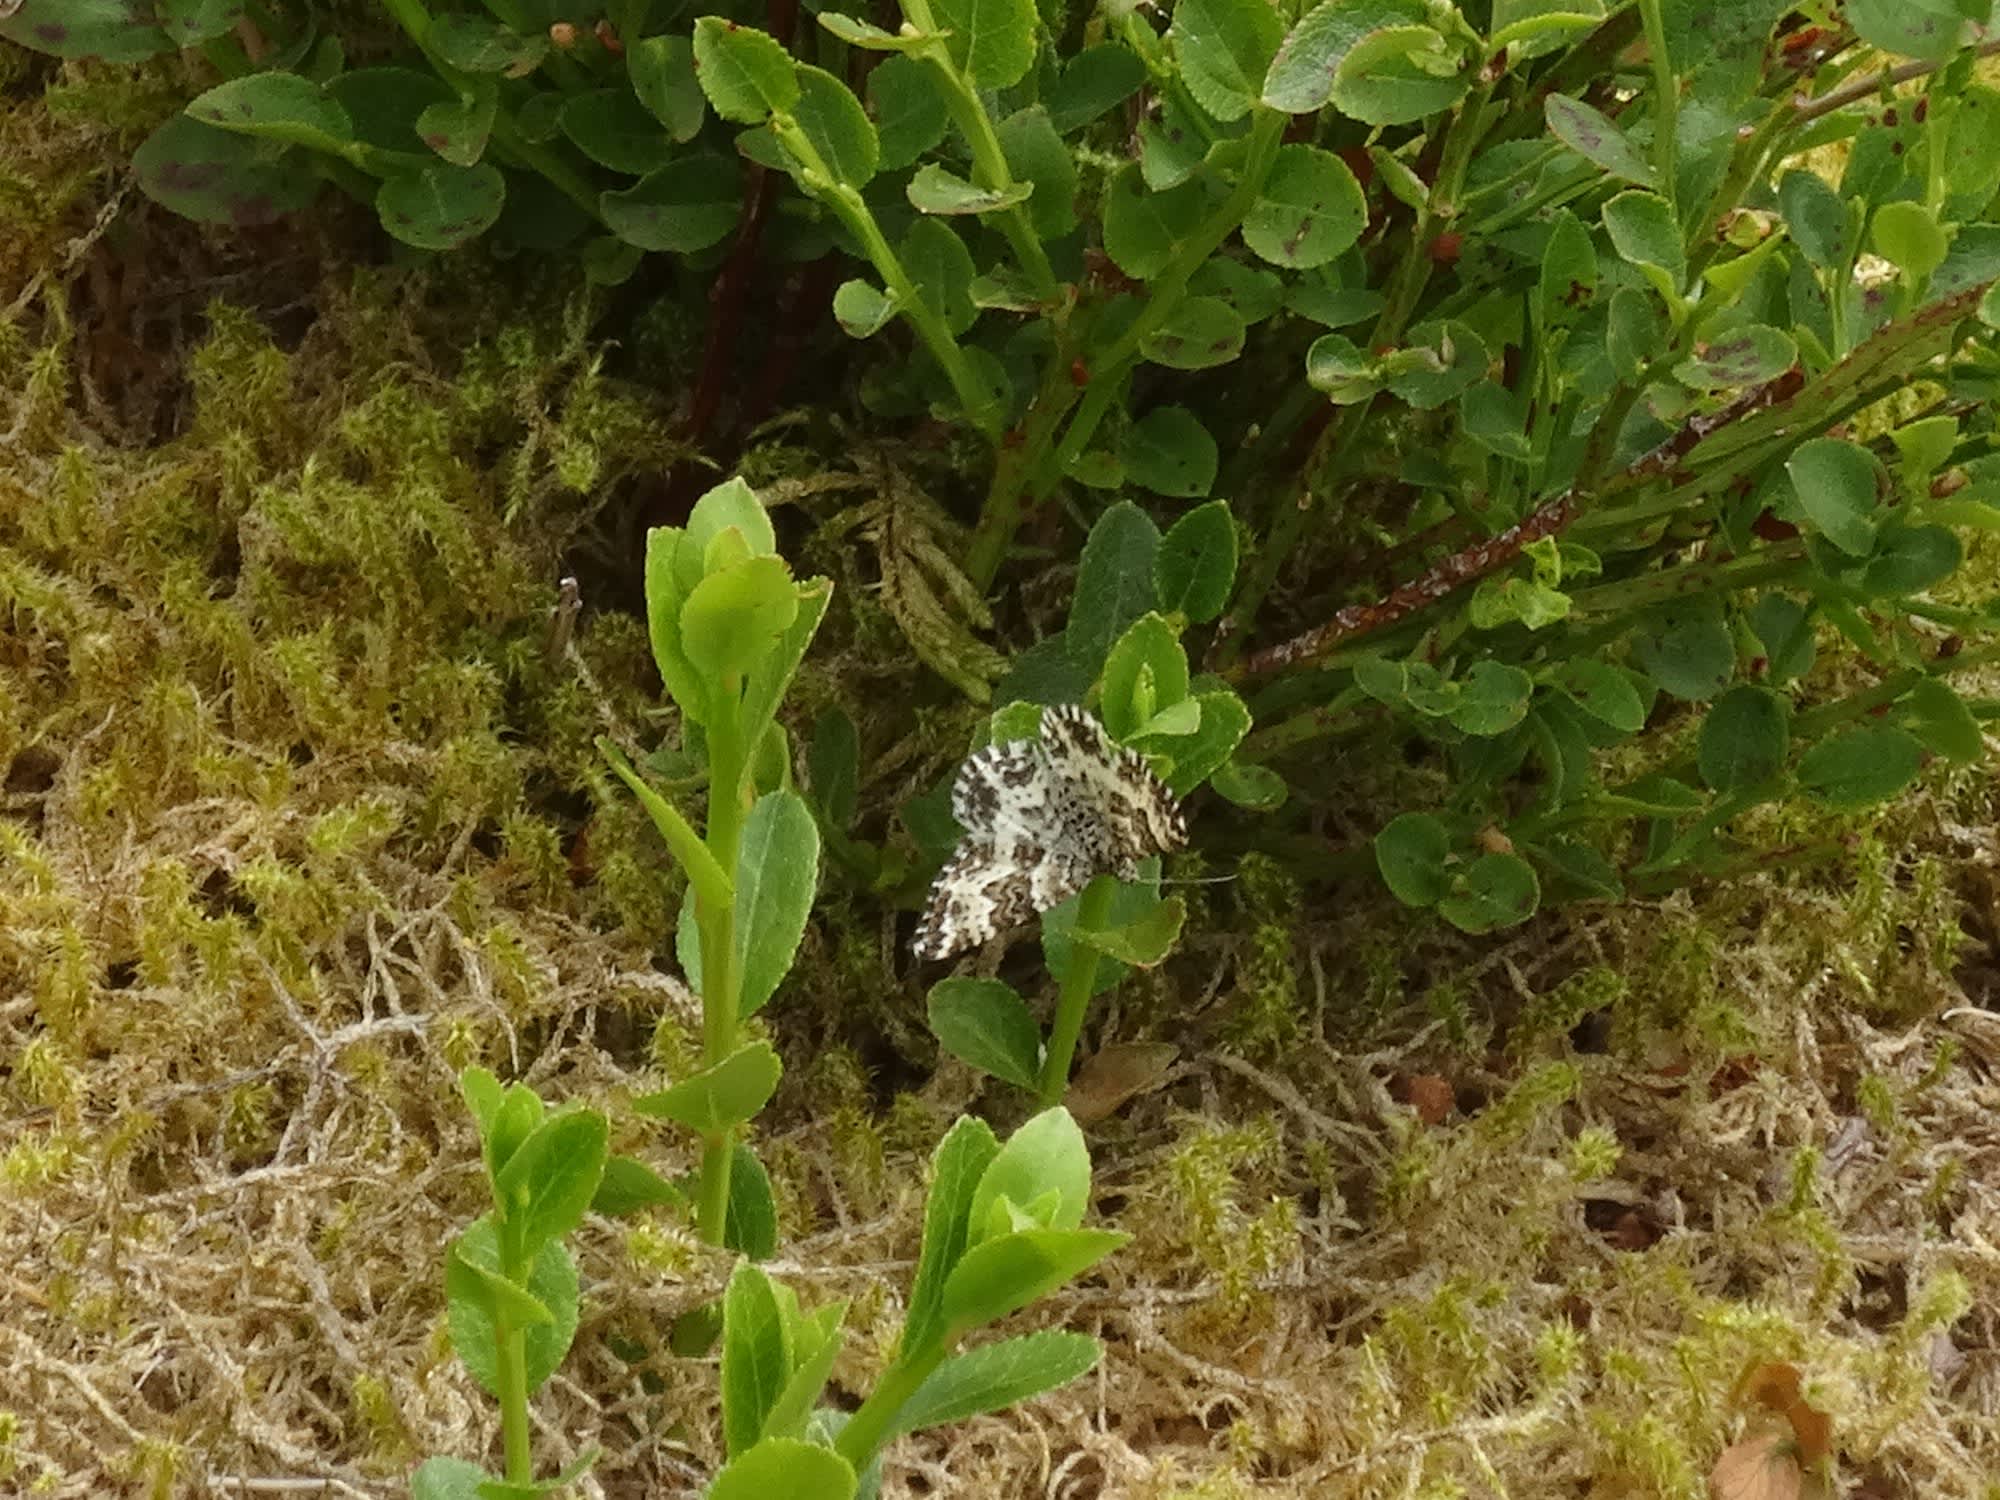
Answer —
510 1375
721 984
868 1429
853 211
1039 464
1666 96
1406 286
989 162
1078 980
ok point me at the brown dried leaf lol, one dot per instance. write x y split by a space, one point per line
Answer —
1115 1074
1760 1467
1432 1097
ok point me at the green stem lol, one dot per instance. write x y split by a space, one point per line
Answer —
868 1429
1666 95
510 1376
1079 978
1000 516
989 161
1406 287
416 23
1029 473
853 211
721 983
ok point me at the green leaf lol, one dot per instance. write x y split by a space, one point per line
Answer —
1493 698
189 23
833 766
447 1479
816 1344
1744 739
1199 334
777 876
1909 237
116 31
1114 583
958 1164
1195 567
933 190
216 177
689 204
1438 361
745 73
992 41
1142 227
908 104
1169 452
1144 672
1593 137
733 617
1144 942
1938 717
1092 83
942 269
458 129
277 107
551 1283
385 105
475 44
1784 627
1044 1162
719 1097
1632 333
492 1294
1603 691
1310 211
838 127
1495 890
1258 788
873 38
1004 1275
614 130
665 594
546 1186
1837 486
1687 649
1399 74
1336 366
1747 355
1644 231
519 1116
1929 29
441 207
1911 559
756 1356
784 1469
1569 270
1036 155
862 310
997 1376
1414 855
983 1023
751 1225
1301 76
1224 48
1816 218
629 1185
1197 756
1862 766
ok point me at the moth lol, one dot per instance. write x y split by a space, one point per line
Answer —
1042 818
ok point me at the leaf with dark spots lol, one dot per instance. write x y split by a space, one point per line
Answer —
219 177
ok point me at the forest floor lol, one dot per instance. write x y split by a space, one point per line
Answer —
301 815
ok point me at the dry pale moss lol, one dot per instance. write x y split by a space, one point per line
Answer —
275 861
